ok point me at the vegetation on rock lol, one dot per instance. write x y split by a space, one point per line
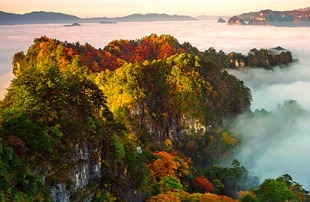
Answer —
137 119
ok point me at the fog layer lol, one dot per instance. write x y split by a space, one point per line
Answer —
273 145
276 143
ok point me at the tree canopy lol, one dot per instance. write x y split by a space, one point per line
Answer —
149 114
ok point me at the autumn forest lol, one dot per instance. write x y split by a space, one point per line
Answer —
138 120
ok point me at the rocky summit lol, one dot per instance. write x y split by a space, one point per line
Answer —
299 17
236 21
221 20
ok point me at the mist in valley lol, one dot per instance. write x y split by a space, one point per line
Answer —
273 143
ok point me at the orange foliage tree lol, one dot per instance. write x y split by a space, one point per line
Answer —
201 184
208 197
166 197
186 197
167 164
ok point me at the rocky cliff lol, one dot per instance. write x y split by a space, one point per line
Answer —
263 58
86 174
276 18
236 21
87 170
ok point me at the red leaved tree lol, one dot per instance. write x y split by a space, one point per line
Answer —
201 184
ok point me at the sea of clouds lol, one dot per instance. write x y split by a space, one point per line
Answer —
279 147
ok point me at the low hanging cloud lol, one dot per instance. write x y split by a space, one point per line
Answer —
271 87
276 143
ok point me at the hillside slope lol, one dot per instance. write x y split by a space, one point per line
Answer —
137 120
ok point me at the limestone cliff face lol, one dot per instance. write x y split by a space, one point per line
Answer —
172 126
86 174
236 21
237 60
276 18
263 58
87 160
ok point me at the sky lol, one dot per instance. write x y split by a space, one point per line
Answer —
114 8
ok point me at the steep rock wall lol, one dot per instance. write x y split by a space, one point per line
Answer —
87 160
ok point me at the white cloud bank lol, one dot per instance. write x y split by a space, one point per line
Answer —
276 144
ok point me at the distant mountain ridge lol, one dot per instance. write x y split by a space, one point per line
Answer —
52 17
299 17
35 17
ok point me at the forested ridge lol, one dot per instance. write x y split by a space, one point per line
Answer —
138 120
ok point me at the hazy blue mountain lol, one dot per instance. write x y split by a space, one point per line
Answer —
157 17
51 17
35 17
141 18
